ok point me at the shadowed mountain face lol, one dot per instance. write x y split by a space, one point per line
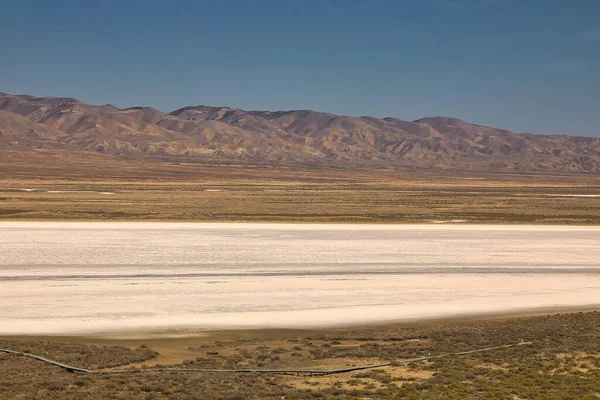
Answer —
299 137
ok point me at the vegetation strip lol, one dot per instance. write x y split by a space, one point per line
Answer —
70 368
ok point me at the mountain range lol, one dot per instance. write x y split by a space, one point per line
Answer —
285 138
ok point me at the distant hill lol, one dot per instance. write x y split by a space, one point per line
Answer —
298 137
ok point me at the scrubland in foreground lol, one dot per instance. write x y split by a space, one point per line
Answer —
562 363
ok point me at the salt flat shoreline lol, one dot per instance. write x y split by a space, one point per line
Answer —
267 222
412 323
175 335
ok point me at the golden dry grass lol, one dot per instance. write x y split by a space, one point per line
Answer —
71 187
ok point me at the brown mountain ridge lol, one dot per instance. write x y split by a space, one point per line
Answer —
297 137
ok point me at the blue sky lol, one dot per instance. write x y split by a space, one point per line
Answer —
524 65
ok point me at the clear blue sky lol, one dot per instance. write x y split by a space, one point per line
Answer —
525 65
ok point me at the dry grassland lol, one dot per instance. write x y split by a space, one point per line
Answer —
69 186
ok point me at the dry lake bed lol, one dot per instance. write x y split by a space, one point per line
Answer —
98 277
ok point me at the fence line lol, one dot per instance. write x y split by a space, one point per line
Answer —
311 372
47 360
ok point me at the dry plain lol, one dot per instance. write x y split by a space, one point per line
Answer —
561 363
71 186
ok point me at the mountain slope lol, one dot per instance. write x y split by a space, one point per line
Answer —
214 134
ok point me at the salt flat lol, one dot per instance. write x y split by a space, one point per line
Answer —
84 277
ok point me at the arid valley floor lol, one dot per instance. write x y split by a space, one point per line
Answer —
561 363
84 186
